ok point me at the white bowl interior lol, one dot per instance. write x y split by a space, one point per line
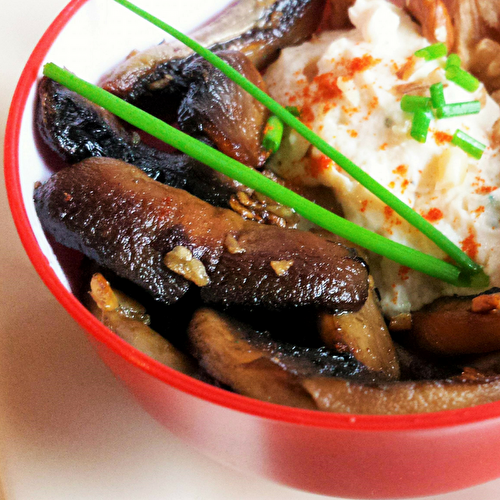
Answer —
100 34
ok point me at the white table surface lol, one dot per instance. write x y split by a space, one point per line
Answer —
68 429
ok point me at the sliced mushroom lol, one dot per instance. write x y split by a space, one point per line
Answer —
128 319
127 222
254 365
364 334
397 398
449 326
257 28
76 129
219 108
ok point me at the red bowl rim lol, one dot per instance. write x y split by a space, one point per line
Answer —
167 375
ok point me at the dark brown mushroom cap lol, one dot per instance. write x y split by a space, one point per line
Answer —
449 326
76 129
127 222
219 108
320 272
254 365
256 28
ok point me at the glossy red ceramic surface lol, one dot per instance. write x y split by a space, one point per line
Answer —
335 454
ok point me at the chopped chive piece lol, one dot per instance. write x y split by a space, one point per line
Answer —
273 134
437 95
461 258
462 78
468 144
458 109
410 103
453 60
420 125
294 110
432 51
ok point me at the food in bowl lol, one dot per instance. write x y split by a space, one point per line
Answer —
256 275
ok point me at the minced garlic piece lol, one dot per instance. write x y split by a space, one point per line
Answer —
181 261
281 267
103 295
232 245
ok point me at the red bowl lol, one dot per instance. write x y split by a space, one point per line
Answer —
345 455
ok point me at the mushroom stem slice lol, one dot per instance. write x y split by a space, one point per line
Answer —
257 366
364 334
340 396
120 314
222 347
449 327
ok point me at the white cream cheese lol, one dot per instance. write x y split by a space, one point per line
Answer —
348 86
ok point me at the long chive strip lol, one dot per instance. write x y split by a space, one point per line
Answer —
420 125
273 133
249 177
462 78
437 95
458 109
432 52
468 144
407 213
410 103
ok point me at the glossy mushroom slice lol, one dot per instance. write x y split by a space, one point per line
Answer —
254 365
397 398
363 334
458 325
220 109
165 239
257 28
77 129
128 319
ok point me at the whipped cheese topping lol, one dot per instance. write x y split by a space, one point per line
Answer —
348 86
